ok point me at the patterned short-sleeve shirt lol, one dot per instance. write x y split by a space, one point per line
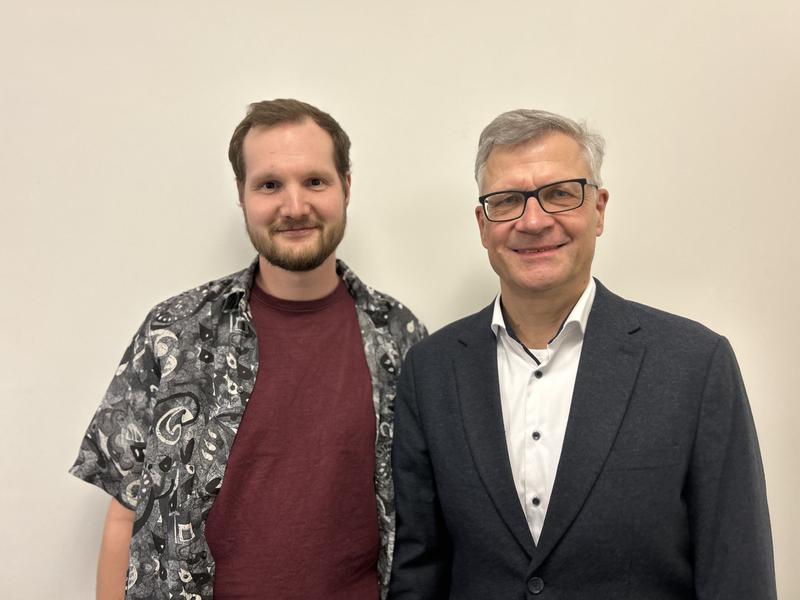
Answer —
160 439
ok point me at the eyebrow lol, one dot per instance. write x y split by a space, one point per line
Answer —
588 179
310 174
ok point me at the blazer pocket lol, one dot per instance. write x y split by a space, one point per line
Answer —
625 459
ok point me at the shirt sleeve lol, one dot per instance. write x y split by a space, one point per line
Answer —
113 449
406 329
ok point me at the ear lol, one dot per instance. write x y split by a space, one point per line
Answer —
482 224
600 207
240 190
347 182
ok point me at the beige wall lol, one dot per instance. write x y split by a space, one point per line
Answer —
116 192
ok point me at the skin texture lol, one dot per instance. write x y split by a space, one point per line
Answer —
294 204
112 566
539 289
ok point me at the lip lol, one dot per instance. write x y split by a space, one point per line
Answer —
539 250
296 232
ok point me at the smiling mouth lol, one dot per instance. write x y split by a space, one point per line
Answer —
538 250
296 229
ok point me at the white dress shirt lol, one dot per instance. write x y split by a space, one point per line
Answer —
536 394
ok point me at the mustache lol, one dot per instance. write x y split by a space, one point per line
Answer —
292 224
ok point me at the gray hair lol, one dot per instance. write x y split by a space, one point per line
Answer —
516 127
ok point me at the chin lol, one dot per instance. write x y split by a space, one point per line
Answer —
537 284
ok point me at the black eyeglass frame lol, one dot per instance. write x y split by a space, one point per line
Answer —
535 194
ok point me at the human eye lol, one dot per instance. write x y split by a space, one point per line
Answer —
503 199
565 190
562 195
503 204
316 182
268 186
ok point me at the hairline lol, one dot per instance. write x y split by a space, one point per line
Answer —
271 113
299 120
516 128
585 153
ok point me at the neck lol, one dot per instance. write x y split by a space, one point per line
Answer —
297 285
537 317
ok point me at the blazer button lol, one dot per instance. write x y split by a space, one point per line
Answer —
535 585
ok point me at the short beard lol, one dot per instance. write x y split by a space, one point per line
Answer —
297 261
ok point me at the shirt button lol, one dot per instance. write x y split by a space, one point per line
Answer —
535 585
536 435
537 374
536 501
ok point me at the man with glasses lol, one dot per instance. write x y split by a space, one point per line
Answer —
564 442
245 438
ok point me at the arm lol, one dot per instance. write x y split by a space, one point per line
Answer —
113 564
422 552
112 453
726 492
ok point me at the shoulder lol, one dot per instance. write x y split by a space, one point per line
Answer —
383 310
661 320
205 301
657 327
466 331
382 303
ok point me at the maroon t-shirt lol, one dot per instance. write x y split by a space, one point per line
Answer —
296 516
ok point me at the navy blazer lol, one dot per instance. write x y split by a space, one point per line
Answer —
659 492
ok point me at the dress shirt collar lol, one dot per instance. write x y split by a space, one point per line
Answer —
577 318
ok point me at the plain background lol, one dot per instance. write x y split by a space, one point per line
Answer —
116 191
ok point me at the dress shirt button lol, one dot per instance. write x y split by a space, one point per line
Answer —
537 374
536 501
535 585
536 435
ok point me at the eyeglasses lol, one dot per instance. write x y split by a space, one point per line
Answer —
557 197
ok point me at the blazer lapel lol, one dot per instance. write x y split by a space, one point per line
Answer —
479 396
609 366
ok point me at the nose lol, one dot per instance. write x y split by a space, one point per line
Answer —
534 219
294 204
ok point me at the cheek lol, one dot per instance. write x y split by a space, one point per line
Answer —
249 217
484 239
329 208
335 210
258 212
499 235
585 229
490 235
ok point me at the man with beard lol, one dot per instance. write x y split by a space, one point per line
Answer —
295 360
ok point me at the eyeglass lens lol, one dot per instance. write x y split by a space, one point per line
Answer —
558 197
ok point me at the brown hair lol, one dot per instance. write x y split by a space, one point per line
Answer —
268 113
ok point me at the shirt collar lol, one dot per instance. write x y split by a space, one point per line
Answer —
237 294
578 316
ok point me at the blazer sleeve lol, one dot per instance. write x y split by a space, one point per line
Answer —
726 491
422 552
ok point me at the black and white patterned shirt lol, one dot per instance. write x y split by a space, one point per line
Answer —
160 439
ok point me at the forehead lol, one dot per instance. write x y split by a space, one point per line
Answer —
286 147
534 163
